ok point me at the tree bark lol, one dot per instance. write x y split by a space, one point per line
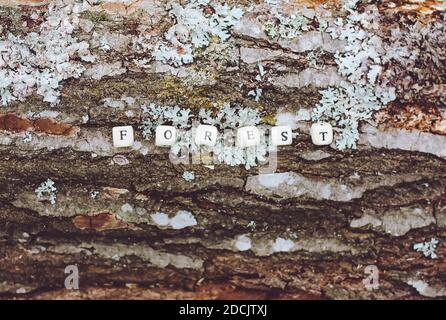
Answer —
341 210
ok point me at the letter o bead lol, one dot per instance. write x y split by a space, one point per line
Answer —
165 136
321 133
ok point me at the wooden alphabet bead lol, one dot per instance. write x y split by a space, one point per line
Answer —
247 137
281 135
206 135
165 136
321 133
122 136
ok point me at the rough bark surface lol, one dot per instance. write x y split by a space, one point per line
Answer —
313 226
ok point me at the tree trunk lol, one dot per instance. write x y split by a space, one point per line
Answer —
317 228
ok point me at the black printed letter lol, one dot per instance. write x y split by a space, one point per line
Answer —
323 135
168 134
284 136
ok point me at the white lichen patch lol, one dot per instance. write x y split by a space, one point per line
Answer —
257 92
47 188
53 114
181 220
28 136
286 26
361 94
427 248
227 119
196 23
94 194
127 208
188 176
163 115
40 61
15 287
100 70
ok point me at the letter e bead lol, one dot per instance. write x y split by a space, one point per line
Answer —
281 135
122 136
165 136
206 135
247 137
321 133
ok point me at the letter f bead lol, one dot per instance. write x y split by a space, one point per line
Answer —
123 136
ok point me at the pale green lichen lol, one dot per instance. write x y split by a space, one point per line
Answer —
194 26
156 115
94 194
257 92
28 137
427 248
361 94
227 119
40 61
286 27
47 187
189 176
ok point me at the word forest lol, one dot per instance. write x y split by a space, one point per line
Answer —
207 135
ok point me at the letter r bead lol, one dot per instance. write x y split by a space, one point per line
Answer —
206 135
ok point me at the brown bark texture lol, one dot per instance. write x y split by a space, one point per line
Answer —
136 228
